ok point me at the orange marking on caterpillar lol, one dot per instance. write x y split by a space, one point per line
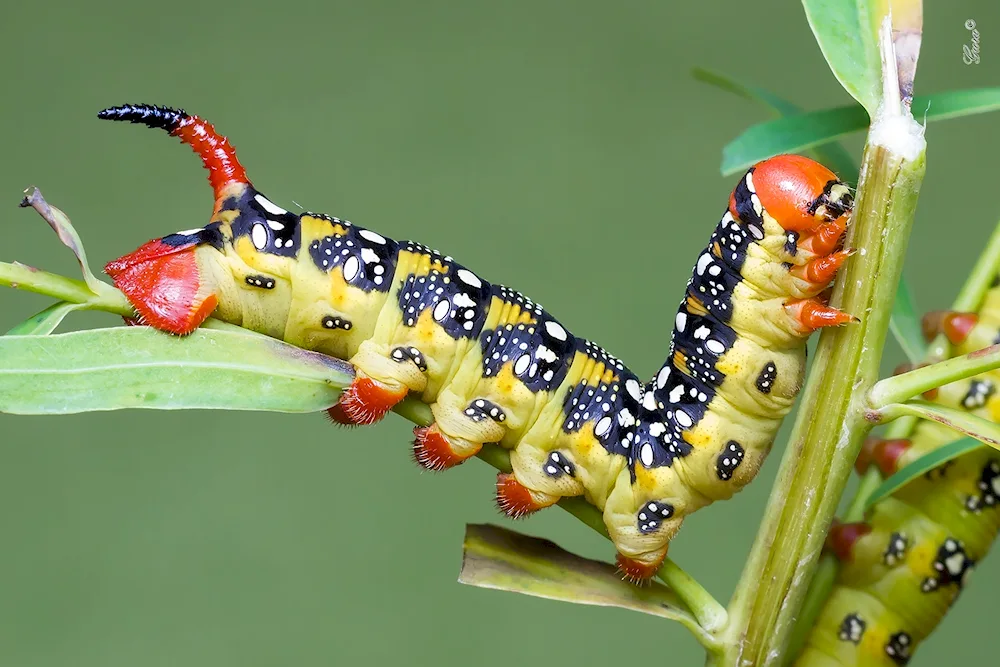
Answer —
813 314
822 269
365 402
515 499
638 571
843 537
826 238
431 449
795 191
162 283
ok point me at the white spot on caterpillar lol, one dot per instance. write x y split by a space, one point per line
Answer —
649 401
369 256
749 181
755 200
703 263
662 377
676 393
715 346
469 278
656 429
269 206
603 426
441 310
521 364
633 388
372 236
259 236
352 266
462 300
701 333
683 418
646 454
714 270
555 330
681 320
625 418
189 232
275 225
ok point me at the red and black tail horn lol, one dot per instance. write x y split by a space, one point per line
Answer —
215 151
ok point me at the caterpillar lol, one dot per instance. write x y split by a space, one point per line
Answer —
904 567
495 367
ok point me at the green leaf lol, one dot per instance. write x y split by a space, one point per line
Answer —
45 322
921 466
831 153
905 325
138 367
792 134
502 559
747 91
847 33
795 134
983 430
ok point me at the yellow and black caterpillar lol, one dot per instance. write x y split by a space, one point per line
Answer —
904 567
495 367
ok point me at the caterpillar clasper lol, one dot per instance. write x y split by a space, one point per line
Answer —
497 368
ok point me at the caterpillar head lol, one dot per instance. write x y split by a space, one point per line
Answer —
175 282
799 193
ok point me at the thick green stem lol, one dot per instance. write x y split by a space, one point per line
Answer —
21 276
831 423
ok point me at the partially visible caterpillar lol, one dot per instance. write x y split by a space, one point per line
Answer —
905 566
495 367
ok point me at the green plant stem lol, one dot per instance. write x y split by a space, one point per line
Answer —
984 430
21 276
907 385
710 613
830 426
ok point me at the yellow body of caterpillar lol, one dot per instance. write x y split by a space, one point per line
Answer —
904 567
496 367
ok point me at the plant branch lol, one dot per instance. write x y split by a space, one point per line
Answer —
905 386
983 430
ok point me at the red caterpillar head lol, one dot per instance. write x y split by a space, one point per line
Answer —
170 281
799 193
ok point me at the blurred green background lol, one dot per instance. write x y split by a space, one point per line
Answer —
560 147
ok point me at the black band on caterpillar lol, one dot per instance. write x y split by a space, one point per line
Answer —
496 367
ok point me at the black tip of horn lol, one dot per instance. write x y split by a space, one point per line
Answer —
163 118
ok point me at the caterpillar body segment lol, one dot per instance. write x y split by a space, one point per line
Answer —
906 564
495 367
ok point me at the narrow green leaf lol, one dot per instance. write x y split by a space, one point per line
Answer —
921 466
905 325
846 31
791 134
747 91
831 153
983 430
795 134
138 367
45 322
502 559
60 224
